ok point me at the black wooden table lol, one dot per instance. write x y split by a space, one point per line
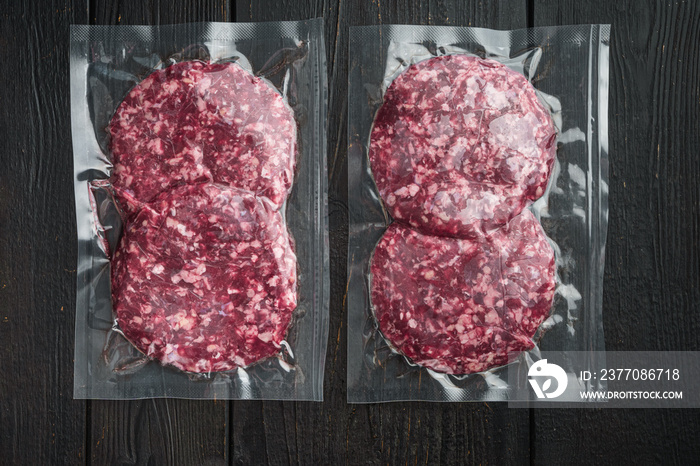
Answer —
652 275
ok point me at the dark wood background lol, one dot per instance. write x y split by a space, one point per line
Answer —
652 275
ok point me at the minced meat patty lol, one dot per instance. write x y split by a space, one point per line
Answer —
204 279
458 305
460 146
193 122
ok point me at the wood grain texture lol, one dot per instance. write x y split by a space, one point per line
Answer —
158 431
159 12
40 423
652 279
400 433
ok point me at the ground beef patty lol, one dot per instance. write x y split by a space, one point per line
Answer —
204 279
460 144
194 122
460 306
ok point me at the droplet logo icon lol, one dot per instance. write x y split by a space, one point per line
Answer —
546 372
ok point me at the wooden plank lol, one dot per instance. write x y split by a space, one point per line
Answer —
306 433
652 275
159 12
397 433
427 433
40 423
159 431
497 14
163 431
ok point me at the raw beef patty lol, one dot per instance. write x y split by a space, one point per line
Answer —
194 121
460 145
205 279
460 306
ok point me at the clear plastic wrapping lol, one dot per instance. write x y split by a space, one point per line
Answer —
568 68
200 186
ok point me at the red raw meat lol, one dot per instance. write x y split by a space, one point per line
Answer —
193 122
460 146
204 279
460 306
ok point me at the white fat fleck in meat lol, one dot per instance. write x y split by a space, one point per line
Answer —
516 133
182 229
481 208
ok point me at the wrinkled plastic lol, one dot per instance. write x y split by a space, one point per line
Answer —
568 67
203 257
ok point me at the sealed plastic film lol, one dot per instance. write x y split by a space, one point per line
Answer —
200 182
452 133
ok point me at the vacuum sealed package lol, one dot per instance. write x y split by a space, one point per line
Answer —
478 167
200 187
